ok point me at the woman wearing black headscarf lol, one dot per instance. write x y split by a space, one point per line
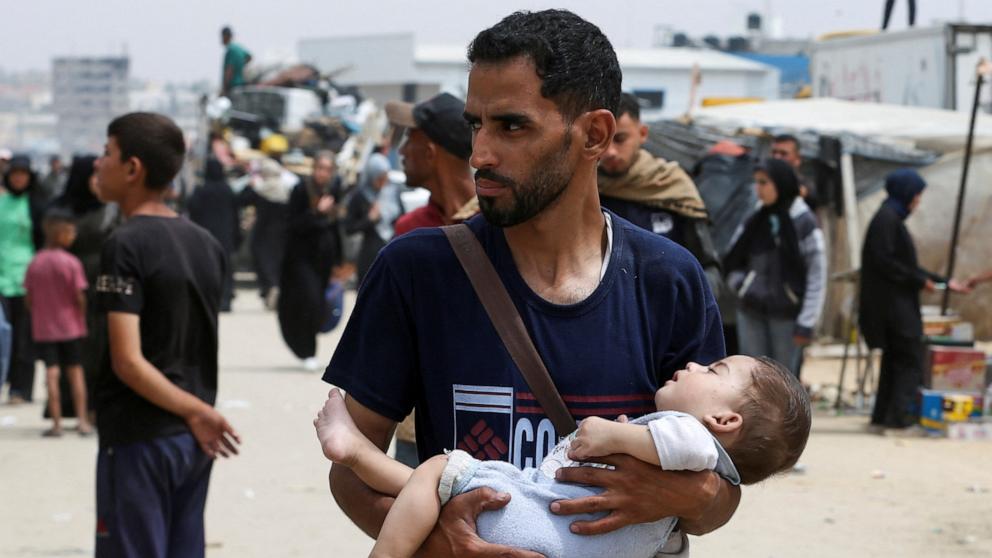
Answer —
95 221
889 309
20 236
214 207
778 267
313 248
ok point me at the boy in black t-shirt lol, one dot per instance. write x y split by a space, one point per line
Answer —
160 284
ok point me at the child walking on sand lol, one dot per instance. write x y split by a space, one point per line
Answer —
745 418
56 296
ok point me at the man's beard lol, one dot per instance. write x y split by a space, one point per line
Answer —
531 197
612 174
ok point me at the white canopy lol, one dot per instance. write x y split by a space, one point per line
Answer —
923 128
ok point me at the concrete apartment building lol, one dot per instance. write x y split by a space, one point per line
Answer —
87 93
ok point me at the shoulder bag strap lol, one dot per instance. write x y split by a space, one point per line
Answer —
505 318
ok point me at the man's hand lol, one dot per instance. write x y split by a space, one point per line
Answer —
374 213
455 534
801 340
636 492
213 433
592 439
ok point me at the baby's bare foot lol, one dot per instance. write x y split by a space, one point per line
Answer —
339 437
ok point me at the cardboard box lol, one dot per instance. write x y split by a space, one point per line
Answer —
955 369
932 410
951 328
940 409
959 407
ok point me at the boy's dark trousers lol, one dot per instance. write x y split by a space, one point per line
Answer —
150 497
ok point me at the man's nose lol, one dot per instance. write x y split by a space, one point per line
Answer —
483 155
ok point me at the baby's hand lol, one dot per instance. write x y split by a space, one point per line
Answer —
592 439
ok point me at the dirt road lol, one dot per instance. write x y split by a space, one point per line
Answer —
861 495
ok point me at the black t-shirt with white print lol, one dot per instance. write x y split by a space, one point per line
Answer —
169 272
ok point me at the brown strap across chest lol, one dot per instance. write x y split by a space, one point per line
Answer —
509 325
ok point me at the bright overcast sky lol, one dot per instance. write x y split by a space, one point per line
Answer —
178 40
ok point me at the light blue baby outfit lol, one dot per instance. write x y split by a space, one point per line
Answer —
683 443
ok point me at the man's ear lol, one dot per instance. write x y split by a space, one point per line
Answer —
726 422
643 132
599 127
430 151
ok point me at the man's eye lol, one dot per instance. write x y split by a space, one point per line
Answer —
475 126
513 126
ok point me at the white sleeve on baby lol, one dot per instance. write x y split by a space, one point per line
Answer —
683 443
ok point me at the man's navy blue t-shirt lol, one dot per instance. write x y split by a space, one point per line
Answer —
419 337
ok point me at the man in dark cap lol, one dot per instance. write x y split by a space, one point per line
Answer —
435 149
436 146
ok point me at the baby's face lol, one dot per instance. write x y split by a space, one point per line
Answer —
704 390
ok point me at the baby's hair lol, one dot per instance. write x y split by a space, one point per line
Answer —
776 421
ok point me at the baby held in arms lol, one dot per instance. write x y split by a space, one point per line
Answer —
745 418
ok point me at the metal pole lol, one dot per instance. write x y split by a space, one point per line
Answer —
852 217
961 191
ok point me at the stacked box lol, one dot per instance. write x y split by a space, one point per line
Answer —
948 328
940 409
932 410
955 369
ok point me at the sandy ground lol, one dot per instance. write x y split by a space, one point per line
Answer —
860 494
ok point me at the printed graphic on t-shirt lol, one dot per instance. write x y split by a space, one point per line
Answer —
483 420
495 422
113 284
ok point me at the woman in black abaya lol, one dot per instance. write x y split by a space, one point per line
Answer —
214 207
313 248
889 309
95 221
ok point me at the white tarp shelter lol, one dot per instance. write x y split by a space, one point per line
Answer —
932 140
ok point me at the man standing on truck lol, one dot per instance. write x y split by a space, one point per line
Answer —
235 59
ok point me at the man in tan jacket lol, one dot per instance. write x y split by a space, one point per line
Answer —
650 192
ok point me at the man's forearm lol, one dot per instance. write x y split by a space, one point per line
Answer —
721 509
151 384
364 506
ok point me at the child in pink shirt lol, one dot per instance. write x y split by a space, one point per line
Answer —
56 295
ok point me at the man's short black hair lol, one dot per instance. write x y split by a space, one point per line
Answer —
782 138
575 61
226 30
629 104
155 140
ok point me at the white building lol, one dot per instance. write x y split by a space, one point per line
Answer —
393 67
87 93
